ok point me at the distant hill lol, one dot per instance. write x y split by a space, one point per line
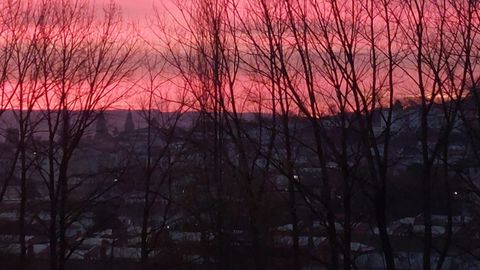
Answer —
115 120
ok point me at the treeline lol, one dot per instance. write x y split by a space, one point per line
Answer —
323 80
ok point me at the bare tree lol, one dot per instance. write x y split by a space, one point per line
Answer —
162 113
439 34
84 63
27 92
11 18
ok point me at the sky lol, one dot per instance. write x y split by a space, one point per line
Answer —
137 9
140 9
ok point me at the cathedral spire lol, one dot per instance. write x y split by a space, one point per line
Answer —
129 126
101 129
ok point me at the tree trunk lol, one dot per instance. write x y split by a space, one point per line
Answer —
63 245
23 203
145 220
380 209
294 220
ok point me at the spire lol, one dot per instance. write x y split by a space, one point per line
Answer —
12 136
129 126
64 129
154 122
101 130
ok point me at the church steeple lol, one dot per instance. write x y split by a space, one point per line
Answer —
101 129
129 126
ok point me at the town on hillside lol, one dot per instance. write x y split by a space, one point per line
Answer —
168 185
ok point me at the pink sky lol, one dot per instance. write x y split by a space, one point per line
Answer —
137 9
140 9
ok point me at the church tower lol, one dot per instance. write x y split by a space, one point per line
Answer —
101 129
129 126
